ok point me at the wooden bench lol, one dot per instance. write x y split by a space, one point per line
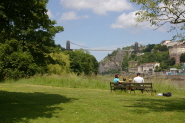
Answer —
132 87
118 86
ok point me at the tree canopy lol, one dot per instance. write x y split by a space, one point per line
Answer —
26 38
182 58
160 12
82 62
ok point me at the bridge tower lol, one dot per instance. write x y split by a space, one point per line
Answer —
136 49
68 46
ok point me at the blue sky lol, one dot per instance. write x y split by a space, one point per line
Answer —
102 24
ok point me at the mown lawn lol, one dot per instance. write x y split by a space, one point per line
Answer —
22 103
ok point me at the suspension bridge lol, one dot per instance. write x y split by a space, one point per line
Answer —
90 49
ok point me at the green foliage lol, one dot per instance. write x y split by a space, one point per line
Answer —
171 61
178 66
159 47
15 63
133 57
82 62
125 61
149 47
113 53
26 38
182 57
157 69
128 47
61 63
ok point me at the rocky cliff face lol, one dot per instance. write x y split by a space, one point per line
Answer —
112 61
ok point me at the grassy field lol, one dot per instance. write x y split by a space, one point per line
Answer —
50 100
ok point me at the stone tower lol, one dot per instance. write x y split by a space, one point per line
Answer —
136 49
68 45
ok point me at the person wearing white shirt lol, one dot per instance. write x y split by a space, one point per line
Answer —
138 79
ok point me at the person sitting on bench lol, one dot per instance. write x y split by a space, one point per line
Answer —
139 79
116 79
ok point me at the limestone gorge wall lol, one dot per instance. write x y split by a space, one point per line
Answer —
112 61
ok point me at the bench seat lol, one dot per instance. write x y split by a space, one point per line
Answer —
132 87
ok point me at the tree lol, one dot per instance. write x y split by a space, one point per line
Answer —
171 62
61 63
20 15
182 57
26 33
149 47
15 63
82 62
160 12
125 61
159 47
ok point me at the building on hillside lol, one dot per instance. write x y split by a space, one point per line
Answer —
169 43
140 54
175 70
165 42
148 67
144 68
176 52
133 69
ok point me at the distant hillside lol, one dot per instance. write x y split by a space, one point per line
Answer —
119 59
113 62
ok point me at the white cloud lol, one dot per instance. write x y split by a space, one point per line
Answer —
50 14
127 21
72 16
98 6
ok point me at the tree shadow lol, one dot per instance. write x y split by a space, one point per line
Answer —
158 105
20 107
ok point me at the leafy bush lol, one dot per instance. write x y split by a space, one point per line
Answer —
61 65
82 62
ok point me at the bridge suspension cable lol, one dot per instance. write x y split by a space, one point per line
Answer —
78 44
90 49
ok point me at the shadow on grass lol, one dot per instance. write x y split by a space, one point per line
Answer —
19 107
146 105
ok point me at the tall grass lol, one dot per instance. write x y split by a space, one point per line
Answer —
66 80
162 85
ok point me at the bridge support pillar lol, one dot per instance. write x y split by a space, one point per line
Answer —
68 46
136 49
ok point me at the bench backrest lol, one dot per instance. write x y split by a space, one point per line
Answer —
114 85
117 85
141 85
